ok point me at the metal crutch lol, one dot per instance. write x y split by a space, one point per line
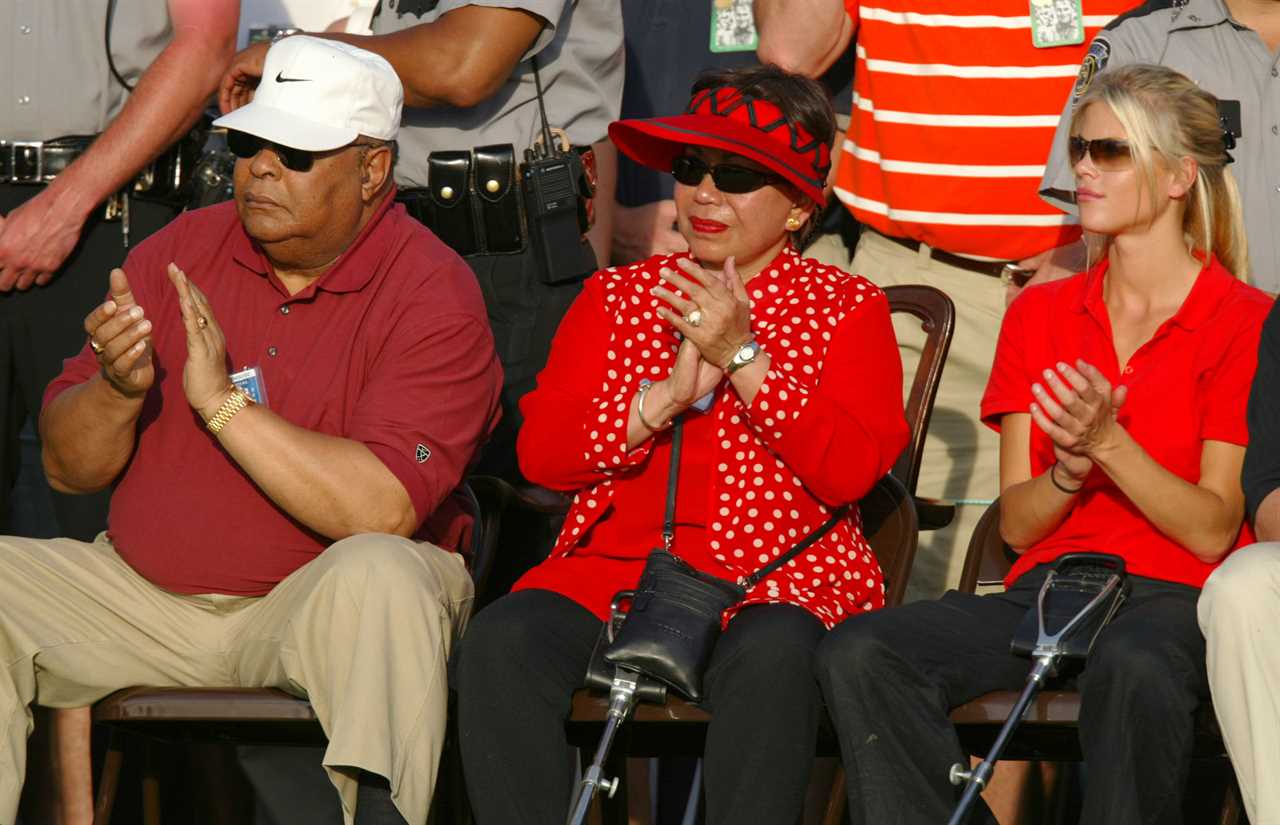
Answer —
622 700
626 688
1075 575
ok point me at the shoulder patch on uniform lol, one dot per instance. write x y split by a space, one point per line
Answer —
1095 60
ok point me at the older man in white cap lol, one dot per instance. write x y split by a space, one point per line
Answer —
286 390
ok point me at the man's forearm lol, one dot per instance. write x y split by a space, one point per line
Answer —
166 102
335 486
88 434
1266 522
803 36
461 59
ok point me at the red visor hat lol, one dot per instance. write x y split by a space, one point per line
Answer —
722 117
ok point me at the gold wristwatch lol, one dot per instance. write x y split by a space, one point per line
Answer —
746 353
237 401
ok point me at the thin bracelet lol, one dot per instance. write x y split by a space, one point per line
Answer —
1054 478
640 394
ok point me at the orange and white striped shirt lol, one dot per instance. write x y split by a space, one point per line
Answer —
954 111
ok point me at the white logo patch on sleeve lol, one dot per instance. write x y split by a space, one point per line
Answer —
421 453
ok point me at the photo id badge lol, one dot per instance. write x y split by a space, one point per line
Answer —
1056 23
250 380
733 26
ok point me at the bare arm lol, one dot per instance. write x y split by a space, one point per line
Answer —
1030 507
335 486
802 36
88 431
36 238
1204 517
1076 409
88 434
460 59
1266 522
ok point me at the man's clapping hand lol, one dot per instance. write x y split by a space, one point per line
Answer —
120 334
204 378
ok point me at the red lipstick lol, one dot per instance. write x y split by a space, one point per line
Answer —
707 227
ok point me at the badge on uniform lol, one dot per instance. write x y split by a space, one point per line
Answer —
1094 61
1056 23
733 26
250 380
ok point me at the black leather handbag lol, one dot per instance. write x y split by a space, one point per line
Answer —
674 620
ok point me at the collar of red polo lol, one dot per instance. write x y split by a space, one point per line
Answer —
352 270
1212 286
722 117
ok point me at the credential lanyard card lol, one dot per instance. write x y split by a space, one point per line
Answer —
250 380
1056 23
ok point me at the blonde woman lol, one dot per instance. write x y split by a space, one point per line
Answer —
1119 395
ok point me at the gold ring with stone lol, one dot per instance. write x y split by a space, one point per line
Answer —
694 318
202 321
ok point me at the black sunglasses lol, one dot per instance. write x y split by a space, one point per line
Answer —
1108 154
729 178
245 145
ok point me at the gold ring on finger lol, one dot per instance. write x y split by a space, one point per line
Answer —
694 318
95 346
202 321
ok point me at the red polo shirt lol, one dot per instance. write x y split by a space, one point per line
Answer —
391 347
1187 385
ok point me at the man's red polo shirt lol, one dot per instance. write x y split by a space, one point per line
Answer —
391 347
1187 385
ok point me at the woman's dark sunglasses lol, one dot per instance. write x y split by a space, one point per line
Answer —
1108 154
728 177
245 145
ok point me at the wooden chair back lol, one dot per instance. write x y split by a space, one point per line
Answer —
988 558
891 528
937 316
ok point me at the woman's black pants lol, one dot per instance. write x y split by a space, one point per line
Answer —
890 678
524 655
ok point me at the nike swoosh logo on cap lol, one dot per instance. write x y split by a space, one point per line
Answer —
280 78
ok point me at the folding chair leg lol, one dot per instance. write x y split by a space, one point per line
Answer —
109 780
150 789
1232 804
836 803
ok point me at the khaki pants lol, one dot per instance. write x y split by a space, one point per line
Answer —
1240 616
961 455
363 631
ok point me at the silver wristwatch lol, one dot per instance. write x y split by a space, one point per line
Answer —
746 353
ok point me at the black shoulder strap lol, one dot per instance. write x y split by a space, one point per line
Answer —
801 546
669 519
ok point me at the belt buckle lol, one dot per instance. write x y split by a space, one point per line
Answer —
1013 275
26 161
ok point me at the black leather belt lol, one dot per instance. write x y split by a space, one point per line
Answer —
39 161
1006 271
167 178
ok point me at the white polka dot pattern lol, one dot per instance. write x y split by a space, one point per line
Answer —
763 506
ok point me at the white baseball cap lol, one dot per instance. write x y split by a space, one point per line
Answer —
318 94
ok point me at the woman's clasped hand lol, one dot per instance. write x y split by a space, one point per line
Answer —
1078 411
722 323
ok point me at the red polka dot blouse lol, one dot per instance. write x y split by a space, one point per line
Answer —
825 425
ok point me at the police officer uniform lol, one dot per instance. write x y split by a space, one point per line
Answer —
57 92
1199 39
579 56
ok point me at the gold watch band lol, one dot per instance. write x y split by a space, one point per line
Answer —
237 401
